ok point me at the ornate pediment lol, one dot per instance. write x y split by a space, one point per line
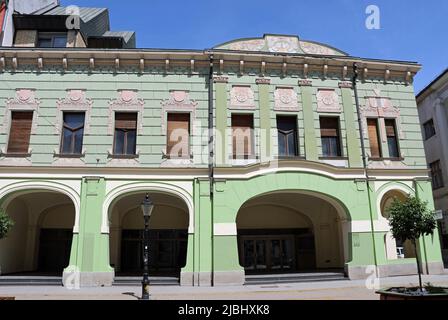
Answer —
76 100
179 99
127 99
281 44
25 100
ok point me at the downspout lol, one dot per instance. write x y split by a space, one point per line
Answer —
364 159
211 159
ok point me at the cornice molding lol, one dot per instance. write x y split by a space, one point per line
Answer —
12 59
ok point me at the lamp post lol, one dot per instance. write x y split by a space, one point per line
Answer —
147 207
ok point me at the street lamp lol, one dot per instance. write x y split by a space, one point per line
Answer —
147 207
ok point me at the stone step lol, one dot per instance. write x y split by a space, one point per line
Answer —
153 281
30 281
293 278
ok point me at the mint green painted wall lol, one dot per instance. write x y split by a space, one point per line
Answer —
353 145
90 249
265 123
221 122
226 254
309 120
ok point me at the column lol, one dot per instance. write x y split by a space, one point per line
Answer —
265 119
89 260
221 157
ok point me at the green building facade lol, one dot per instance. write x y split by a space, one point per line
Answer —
270 181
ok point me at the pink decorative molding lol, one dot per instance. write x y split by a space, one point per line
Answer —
127 101
283 44
179 101
25 100
286 100
381 107
74 101
242 97
305 83
248 45
313 48
328 101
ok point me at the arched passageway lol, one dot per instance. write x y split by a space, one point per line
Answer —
290 232
41 239
168 235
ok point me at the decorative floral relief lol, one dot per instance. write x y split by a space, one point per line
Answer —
242 97
283 44
314 48
248 45
127 101
74 101
328 101
25 100
286 99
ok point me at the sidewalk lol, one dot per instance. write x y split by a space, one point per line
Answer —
332 290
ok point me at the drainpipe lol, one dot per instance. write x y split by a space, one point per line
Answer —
364 159
211 159
3 11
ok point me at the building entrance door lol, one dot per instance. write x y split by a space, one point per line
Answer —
54 249
268 254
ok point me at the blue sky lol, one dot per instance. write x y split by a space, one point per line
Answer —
412 30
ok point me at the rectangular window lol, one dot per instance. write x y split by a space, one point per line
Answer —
20 132
436 175
125 133
392 138
178 136
429 129
52 40
242 134
72 133
287 136
330 136
374 139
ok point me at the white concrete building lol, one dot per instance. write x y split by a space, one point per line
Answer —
432 108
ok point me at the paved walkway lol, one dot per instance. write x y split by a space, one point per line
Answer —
332 290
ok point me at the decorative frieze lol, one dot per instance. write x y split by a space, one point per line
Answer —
25 100
263 81
127 101
286 99
305 83
75 101
220 79
346 84
328 101
242 97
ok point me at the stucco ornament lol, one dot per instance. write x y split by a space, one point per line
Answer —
74 101
286 99
127 101
179 101
248 45
381 107
25 100
283 44
314 48
328 101
242 97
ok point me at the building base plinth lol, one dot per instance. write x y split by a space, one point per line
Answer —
228 278
87 279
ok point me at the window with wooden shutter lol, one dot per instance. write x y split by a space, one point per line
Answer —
392 139
178 136
436 175
242 135
125 138
374 140
330 137
429 129
19 135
